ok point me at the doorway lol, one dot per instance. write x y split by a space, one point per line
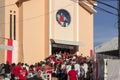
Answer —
69 49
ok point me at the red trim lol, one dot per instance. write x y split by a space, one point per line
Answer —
9 52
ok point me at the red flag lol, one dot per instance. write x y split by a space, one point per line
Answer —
91 53
9 52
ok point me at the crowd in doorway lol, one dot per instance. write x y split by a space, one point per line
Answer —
60 66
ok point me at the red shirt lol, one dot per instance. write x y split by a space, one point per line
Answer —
31 70
22 77
72 75
23 74
50 71
13 70
38 68
47 67
17 70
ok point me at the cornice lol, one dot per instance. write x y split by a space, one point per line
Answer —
19 2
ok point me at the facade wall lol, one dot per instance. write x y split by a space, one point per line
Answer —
85 31
59 32
2 29
35 27
11 8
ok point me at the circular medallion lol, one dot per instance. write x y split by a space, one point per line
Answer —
63 17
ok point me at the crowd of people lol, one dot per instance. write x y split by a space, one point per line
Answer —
60 66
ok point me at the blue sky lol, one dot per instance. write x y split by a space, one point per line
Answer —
105 24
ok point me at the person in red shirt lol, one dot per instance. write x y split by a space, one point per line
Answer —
46 67
17 69
31 70
13 71
72 74
23 74
38 67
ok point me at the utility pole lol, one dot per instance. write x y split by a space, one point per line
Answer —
119 28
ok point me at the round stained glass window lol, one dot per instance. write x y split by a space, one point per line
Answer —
63 17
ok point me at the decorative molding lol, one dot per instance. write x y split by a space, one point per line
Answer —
87 5
19 2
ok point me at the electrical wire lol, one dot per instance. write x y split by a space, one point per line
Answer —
103 8
107 5
106 10
6 5
30 18
36 17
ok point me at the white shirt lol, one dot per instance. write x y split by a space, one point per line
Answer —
68 68
85 67
77 68
58 56
63 66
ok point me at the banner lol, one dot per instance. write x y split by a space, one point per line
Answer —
12 55
15 52
9 52
91 53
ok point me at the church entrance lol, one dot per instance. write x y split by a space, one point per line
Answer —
63 48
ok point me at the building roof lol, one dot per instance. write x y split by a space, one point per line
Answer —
107 46
87 5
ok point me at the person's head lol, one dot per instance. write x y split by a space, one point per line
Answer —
39 73
19 63
7 62
2 76
72 67
13 64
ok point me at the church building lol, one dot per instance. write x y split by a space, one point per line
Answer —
31 30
